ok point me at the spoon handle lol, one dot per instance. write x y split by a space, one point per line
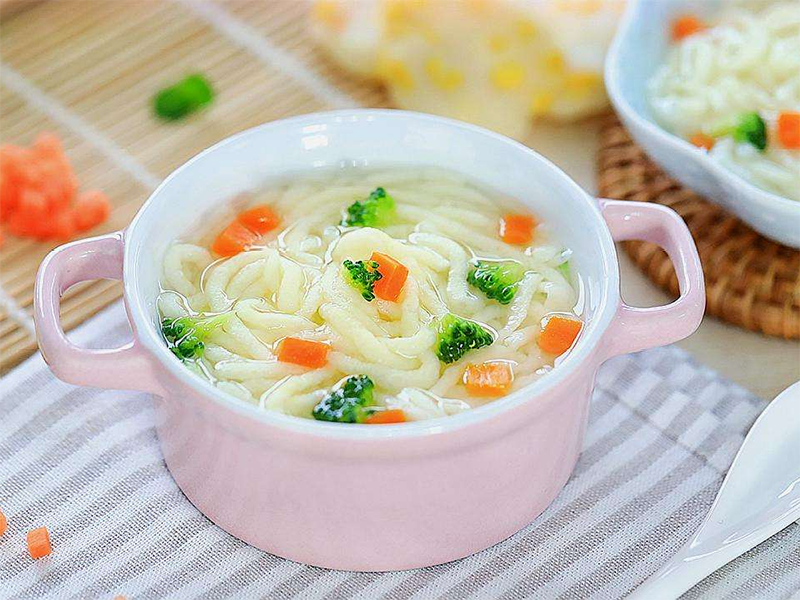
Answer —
678 576
698 559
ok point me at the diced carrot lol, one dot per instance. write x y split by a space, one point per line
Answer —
39 542
235 238
3 523
686 25
11 178
384 417
259 219
60 225
306 353
48 145
517 229
789 129
701 140
394 275
489 379
90 209
30 216
558 334
38 191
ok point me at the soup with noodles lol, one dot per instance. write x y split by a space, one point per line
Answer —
366 296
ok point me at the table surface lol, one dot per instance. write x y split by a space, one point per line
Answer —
761 364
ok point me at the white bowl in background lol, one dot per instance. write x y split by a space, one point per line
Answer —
637 51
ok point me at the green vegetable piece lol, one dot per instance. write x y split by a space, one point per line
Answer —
498 280
348 402
183 98
565 270
186 335
748 127
376 211
362 276
457 336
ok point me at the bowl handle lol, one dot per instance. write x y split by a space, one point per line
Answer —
635 329
125 368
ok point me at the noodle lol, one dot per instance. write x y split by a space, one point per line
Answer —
749 62
293 286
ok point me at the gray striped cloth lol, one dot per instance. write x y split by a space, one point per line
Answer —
86 464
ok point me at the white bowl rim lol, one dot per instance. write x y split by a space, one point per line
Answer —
612 78
151 340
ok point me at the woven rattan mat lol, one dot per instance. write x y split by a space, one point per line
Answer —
87 69
750 280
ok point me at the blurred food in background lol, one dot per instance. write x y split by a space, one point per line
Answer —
731 86
497 63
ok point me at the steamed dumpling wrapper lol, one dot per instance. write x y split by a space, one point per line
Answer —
497 63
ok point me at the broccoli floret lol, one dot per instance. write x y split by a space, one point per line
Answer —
362 276
498 280
747 127
348 402
456 336
186 335
183 98
375 211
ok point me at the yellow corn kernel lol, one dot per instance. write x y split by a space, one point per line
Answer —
526 30
553 62
581 7
541 103
395 72
580 84
478 6
329 13
508 75
444 78
399 14
499 43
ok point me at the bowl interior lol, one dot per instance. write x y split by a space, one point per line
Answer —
644 44
368 138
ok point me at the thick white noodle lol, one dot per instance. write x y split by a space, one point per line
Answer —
749 61
294 285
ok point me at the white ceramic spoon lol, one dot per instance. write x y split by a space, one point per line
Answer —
759 496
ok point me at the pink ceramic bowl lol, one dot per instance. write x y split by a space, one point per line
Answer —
364 497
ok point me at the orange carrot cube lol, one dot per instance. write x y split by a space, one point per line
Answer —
235 238
394 275
39 542
517 229
686 25
259 219
385 417
558 334
306 353
489 379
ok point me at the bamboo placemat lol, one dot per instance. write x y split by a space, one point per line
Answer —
751 281
87 69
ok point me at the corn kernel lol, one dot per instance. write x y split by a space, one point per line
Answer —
443 77
499 43
553 62
508 76
478 6
329 13
541 103
395 72
580 84
581 7
397 16
526 30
